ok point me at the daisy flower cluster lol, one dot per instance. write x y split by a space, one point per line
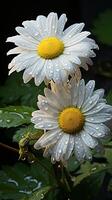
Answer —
72 114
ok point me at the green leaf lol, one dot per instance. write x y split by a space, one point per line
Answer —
24 131
87 169
108 155
72 164
103 27
15 91
109 98
22 181
13 116
40 194
89 187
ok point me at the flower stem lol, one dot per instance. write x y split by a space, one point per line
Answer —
9 147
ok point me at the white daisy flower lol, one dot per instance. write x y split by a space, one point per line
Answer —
73 120
46 50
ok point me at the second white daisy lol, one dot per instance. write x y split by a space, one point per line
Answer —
46 50
73 120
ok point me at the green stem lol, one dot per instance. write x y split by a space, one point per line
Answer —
65 177
9 147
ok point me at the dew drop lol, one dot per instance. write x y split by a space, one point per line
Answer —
99 134
1 120
97 128
49 67
36 34
52 159
60 150
51 71
93 169
49 125
8 120
1 111
66 142
46 108
42 196
31 161
90 102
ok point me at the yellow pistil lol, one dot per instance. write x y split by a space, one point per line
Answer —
50 47
71 120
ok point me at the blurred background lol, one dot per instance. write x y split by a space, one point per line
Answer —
97 16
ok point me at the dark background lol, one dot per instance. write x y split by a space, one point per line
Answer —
12 13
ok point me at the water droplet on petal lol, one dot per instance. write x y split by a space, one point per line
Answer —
49 125
60 150
53 160
69 36
97 128
36 34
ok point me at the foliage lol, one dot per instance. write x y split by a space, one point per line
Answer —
13 116
103 27
16 92
22 180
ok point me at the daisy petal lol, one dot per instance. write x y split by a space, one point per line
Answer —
76 39
61 24
69 147
73 30
51 24
47 139
89 89
60 147
41 24
79 148
90 103
99 118
15 50
81 93
97 130
89 140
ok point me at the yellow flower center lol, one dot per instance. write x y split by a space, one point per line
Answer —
50 48
71 120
